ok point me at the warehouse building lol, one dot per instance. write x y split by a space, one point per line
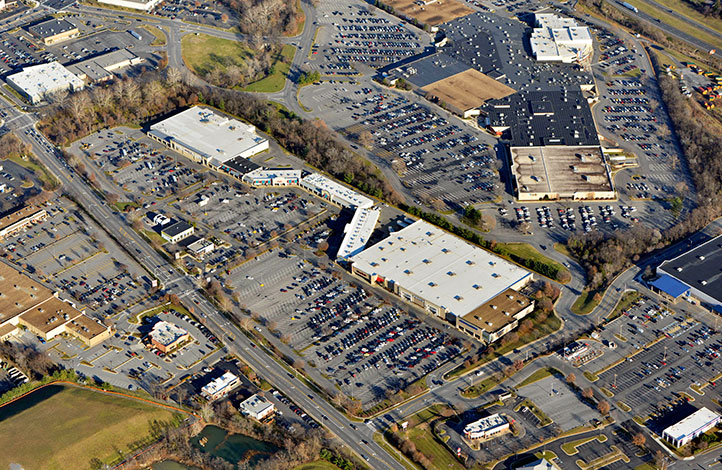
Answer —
439 272
20 218
167 337
334 192
208 137
54 31
257 407
26 303
176 231
143 5
357 232
220 386
557 39
101 68
37 82
695 276
487 428
694 425
272 177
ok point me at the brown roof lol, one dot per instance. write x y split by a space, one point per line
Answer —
87 327
50 314
468 89
5 329
18 292
499 311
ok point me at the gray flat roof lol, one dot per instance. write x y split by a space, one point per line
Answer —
52 27
702 263
175 228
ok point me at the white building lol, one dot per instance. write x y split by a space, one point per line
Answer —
439 272
257 407
557 39
334 192
177 231
147 5
208 137
690 427
220 386
273 177
357 232
38 82
541 464
201 247
486 428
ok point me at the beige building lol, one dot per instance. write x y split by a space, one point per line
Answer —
497 317
26 303
54 31
167 337
19 219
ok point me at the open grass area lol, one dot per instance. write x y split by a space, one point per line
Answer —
437 452
681 7
478 389
586 302
160 39
317 465
677 23
526 251
61 427
277 79
138 318
202 52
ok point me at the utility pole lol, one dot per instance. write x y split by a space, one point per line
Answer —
665 354
615 381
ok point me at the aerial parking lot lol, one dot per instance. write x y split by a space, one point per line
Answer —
352 35
72 253
366 347
137 164
436 156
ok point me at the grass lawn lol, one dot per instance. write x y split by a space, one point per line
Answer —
585 303
677 23
526 251
476 390
157 33
202 52
562 248
544 420
571 448
317 465
683 9
276 80
624 303
138 318
66 427
438 453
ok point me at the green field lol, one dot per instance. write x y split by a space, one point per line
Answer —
160 39
317 465
276 80
61 427
202 52
526 251
585 303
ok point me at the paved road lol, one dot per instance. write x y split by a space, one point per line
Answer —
185 286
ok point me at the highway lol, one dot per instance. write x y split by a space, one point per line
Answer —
185 286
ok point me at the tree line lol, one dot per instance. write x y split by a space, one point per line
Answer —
259 18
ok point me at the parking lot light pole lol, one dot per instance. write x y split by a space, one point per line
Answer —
614 385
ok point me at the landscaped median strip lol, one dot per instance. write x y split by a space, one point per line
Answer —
572 448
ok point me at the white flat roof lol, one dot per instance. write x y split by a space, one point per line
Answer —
256 405
358 232
558 38
166 333
219 383
337 191
697 420
207 133
274 173
439 267
38 80
485 424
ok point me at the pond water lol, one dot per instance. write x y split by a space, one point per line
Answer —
231 447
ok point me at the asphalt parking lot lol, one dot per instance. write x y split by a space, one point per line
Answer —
366 347
687 354
354 34
436 156
559 402
204 12
72 253
137 164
